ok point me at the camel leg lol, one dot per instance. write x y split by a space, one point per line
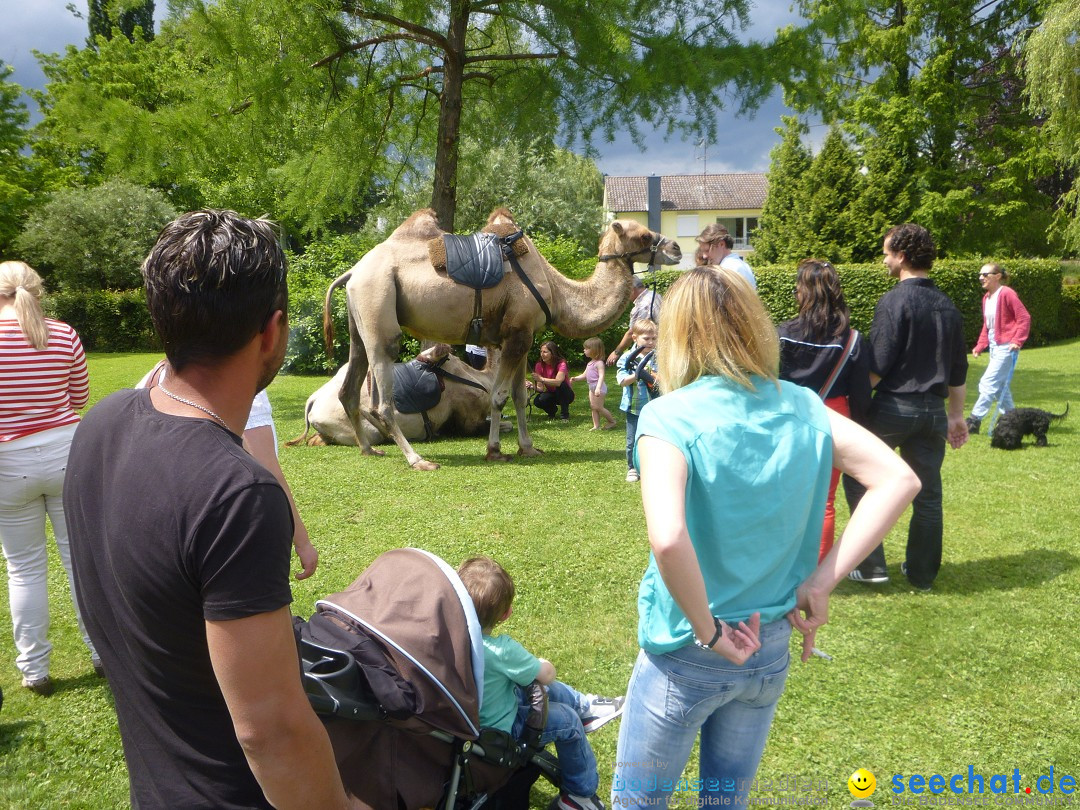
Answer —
349 395
382 403
510 380
521 405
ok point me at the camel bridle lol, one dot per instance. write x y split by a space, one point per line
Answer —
658 241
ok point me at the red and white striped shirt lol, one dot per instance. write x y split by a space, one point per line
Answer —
40 390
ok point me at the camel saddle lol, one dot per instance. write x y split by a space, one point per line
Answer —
417 388
477 260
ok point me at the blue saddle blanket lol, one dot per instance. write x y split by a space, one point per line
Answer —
416 387
475 261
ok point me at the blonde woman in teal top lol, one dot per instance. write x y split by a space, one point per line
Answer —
735 469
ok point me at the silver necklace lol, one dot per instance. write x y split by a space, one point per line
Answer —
195 405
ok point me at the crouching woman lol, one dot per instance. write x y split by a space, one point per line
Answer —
735 468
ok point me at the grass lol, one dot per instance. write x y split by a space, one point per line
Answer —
980 672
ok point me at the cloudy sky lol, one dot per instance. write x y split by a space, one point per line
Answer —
743 144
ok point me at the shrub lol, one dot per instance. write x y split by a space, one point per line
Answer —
1069 322
95 238
106 320
310 274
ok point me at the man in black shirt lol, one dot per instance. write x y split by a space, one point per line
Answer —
918 362
181 541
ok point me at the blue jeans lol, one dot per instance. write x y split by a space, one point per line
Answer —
918 425
631 434
994 385
672 697
576 759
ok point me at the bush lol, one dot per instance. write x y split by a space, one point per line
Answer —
95 238
106 320
1069 323
310 274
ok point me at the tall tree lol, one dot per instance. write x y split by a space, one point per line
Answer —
831 189
15 177
1052 68
309 107
125 15
949 66
779 233
601 65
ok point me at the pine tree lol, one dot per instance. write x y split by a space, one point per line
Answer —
831 189
778 235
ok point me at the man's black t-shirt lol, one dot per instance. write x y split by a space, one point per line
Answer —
917 340
172 524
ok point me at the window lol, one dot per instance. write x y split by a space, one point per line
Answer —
740 229
687 225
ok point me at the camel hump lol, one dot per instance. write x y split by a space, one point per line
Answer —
501 216
423 224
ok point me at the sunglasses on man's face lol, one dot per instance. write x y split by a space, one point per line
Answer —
984 275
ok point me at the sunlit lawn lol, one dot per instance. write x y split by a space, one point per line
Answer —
980 672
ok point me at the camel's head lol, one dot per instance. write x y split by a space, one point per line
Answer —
434 354
630 240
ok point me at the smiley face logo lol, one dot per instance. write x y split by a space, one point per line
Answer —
862 784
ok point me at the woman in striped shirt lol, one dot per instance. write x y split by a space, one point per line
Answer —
43 381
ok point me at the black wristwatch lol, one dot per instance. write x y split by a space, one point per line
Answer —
716 636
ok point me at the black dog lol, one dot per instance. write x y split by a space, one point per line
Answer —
1014 425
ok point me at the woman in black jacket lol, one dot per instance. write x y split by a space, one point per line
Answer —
820 350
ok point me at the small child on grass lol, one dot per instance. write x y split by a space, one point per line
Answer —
594 375
636 373
509 666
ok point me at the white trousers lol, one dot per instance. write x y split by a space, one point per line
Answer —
31 486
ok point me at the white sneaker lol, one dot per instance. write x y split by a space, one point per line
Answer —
602 710
632 475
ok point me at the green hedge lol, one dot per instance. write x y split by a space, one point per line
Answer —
106 320
1036 281
117 321
1069 322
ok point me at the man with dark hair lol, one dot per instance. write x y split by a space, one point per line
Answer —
181 541
918 361
714 247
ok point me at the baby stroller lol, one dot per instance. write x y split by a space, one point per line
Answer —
395 667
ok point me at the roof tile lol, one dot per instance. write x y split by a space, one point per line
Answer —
688 192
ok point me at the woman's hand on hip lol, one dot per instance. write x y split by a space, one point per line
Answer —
737 644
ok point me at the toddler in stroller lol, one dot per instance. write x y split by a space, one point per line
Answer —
395 666
508 667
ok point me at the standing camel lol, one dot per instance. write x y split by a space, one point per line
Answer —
394 287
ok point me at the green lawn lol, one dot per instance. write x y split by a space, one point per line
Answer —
981 672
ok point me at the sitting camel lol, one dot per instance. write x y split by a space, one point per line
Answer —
395 287
462 410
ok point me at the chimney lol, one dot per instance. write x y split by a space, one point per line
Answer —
654 202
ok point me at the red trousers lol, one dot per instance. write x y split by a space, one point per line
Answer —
828 530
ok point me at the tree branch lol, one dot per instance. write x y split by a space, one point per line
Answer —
510 57
433 38
367 43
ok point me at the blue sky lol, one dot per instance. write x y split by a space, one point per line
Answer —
742 144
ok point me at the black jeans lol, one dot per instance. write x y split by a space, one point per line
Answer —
551 401
918 425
